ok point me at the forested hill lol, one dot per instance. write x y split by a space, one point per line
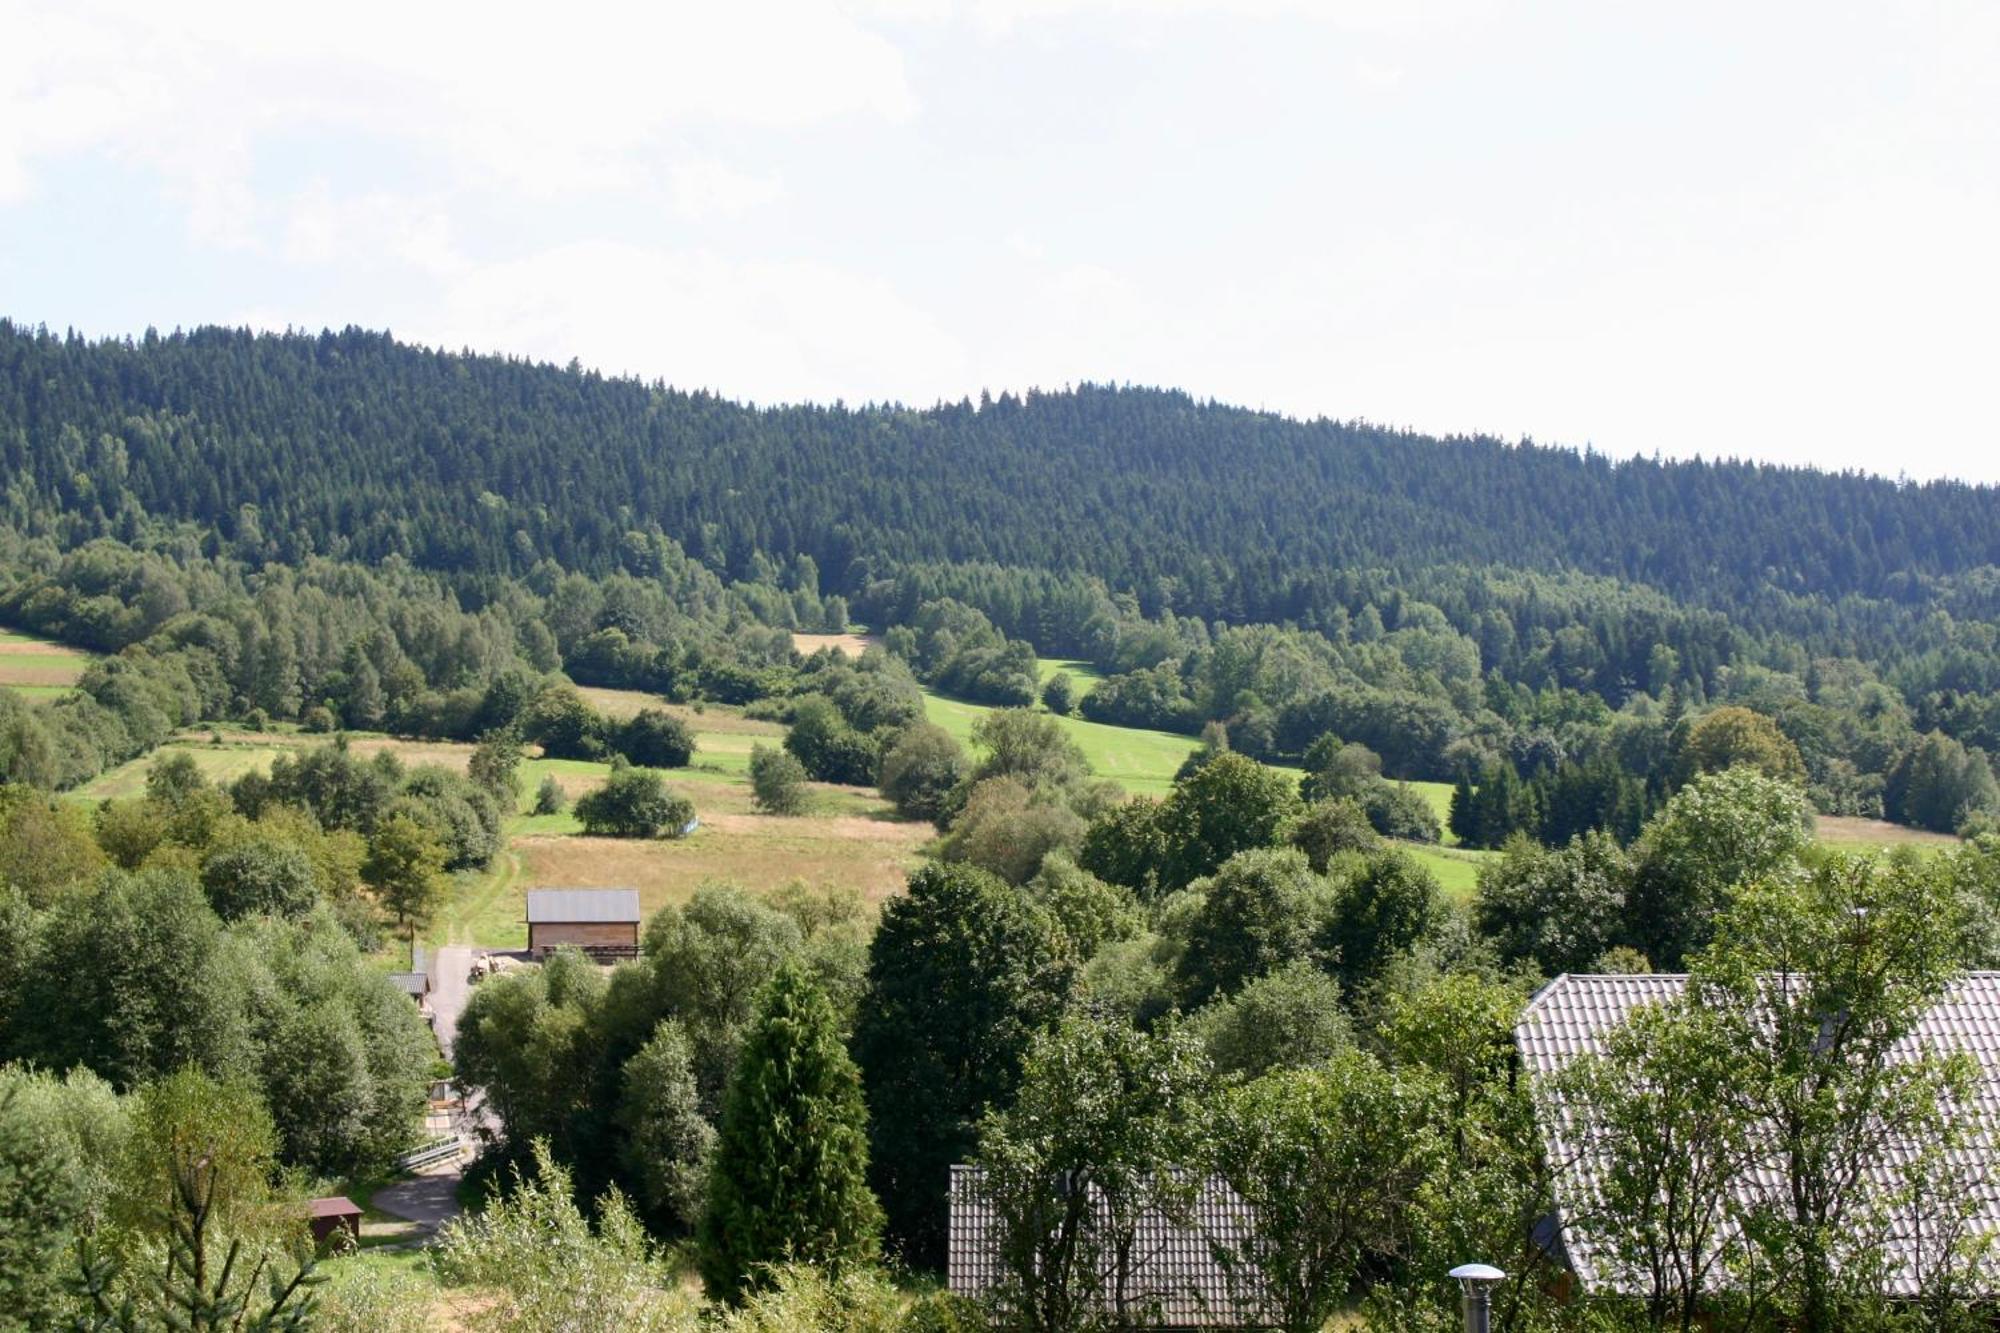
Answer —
355 445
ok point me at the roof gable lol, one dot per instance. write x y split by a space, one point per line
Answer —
575 906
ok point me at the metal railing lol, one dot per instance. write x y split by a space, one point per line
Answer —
426 1154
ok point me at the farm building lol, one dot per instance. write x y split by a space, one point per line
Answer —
329 1216
604 923
1171 1270
416 983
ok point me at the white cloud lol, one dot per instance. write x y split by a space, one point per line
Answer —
705 189
767 331
370 230
583 97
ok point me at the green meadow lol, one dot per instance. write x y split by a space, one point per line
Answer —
1143 762
39 668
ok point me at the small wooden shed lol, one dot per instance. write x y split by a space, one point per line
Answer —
329 1216
604 923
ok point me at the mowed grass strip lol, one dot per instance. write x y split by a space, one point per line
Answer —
39 668
218 763
1457 870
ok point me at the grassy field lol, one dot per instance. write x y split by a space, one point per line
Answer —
1142 761
1084 674
38 669
1456 870
852 644
1850 834
851 839
236 755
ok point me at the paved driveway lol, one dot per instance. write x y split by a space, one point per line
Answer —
429 1198
448 992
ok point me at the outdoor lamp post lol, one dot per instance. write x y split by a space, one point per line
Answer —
1477 1282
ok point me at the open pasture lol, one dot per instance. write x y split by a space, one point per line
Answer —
218 763
1457 870
852 644
1849 833
38 668
868 853
1143 762
1084 674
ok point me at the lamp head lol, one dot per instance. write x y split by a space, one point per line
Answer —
1478 1278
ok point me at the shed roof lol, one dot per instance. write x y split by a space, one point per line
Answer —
334 1205
1175 1263
1575 1014
412 983
567 906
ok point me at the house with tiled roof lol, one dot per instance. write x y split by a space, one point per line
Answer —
1176 1271
1574 1016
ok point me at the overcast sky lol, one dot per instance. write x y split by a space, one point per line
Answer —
1764 229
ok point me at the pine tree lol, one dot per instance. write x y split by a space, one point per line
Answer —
789 1179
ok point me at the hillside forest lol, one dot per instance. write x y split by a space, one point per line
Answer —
1627 699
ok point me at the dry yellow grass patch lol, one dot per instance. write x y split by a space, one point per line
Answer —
38 668
758 852
721 719
852 644
454 755
1850 831
619 704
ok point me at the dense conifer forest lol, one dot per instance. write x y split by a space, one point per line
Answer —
353 445
1507 616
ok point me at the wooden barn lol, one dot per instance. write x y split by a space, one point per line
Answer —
604 923
330 1216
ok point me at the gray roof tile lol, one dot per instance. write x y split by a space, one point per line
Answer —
549 906
1175 1262
1574 1015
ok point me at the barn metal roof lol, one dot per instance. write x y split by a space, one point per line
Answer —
1174 1263
1574 1015
334 1205
574 906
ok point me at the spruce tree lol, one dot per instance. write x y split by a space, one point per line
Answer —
789 1179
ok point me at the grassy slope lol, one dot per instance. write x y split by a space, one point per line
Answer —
850 840
1142 761
38 668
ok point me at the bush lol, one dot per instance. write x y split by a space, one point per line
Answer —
534 1245
830 749
550 798
319 719
655 738
922 767
777 781
634 803
259 878
1059 694
1399 810
1331 827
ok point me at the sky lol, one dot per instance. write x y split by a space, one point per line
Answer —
1765 230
